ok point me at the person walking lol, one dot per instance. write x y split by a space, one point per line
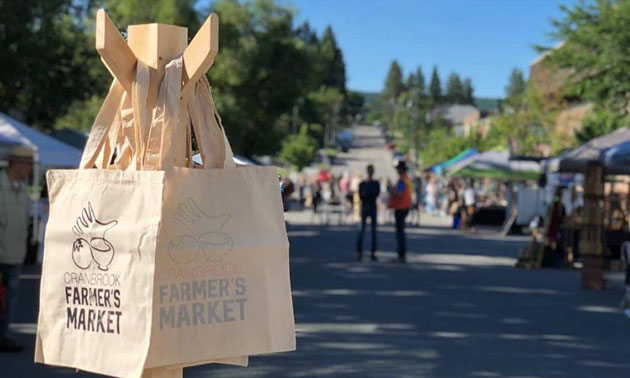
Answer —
369 190
14 223
400 201
470 203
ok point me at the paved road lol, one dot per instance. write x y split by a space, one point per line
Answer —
457 309
368 148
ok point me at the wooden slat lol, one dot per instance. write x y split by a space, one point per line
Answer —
200 53
113 49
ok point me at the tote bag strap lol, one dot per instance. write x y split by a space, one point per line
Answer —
139 96
102 125
213 145
159 153
171 120
120 126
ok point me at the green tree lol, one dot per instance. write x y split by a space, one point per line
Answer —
516 85
261 70
435 87
299 150
594 49
454 89
599 122
44 65
327 103
393 84
416 81
174 12
468 90
529 126
333 67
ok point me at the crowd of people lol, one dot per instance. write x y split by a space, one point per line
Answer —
366 200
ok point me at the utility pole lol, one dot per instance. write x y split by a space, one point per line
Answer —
412 131
295 117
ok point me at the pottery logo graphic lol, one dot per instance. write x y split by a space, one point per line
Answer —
202 234
92 246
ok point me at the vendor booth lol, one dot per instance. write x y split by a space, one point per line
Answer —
51 153
440 168
498 166
596 224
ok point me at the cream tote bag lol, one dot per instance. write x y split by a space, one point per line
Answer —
151 262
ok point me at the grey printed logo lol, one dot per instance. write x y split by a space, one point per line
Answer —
201 234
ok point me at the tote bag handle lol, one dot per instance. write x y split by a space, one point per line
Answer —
102 125
211 140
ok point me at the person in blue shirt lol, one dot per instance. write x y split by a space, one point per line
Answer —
369 191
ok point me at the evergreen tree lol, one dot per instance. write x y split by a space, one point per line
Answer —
174 12
411 81
420 81
334 69
393 84
307 34
468 92
454 89
435 87
516 85
415 80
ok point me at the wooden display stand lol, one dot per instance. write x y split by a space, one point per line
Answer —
156 45
591 237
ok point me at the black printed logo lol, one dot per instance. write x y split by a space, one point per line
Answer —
202 234
92 245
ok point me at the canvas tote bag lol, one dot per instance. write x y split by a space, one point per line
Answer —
155 265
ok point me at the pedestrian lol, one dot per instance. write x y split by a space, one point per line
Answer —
625 258
316 199
400 201
416 209
356 200
369 190
386 211
470 203
14 222
287 189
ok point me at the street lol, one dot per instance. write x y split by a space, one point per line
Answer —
458 308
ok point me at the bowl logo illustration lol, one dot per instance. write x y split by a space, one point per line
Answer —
202 234
92 246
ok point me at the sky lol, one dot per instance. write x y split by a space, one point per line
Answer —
480 39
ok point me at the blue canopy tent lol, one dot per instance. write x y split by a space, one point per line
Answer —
617 159
611 150
439 168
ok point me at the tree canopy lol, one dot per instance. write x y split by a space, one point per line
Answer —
594 49
266 68
435 86
394 82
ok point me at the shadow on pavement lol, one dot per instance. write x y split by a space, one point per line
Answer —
457 309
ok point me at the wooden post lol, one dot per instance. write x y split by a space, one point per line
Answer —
591 237
156 45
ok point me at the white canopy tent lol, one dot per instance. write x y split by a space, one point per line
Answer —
6 144
51 153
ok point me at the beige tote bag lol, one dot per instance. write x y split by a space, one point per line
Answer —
149 262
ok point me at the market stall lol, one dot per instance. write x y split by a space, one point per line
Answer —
51 153
496 165
439 168
590 231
